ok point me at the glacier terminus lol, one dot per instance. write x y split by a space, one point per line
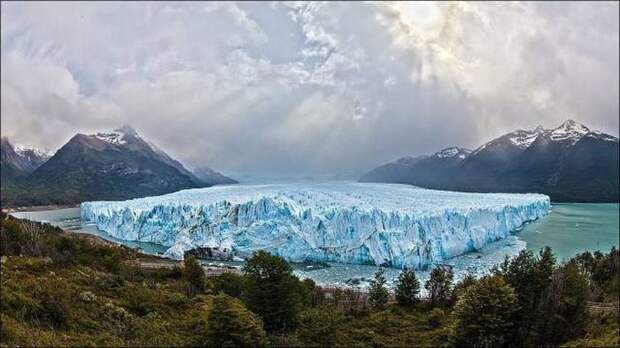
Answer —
382 224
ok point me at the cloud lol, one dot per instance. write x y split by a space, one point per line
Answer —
295 89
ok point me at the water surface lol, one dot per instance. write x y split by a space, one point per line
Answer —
572 228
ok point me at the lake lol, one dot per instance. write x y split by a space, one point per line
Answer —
569 229
572 228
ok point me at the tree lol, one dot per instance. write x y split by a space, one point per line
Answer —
603 269
229 283
460 287
272 291
564 312
439 286
194 274
529 277
231 324
407 288
318 327
485 314
378 293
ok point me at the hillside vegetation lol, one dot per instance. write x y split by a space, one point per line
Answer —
60 289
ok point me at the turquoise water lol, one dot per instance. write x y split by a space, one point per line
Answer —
569 229
572 228
69 219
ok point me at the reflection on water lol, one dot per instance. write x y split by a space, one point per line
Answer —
569 229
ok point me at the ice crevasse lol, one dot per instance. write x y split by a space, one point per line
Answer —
383 224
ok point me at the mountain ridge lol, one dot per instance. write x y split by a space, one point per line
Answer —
569 163
114 165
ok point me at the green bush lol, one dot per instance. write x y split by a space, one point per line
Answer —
141 301
318 327
194 274
485 314
229 283
230 324
436 318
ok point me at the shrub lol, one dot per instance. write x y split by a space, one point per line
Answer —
485 314
194 274
435 318
231 324
229 283
140 300
318 327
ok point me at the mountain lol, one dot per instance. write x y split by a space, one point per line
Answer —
570 163
426 171
212 177
113 165
34 156
19 161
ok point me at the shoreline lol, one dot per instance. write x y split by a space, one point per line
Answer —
39 208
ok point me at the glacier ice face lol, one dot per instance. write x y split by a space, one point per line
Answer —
363 223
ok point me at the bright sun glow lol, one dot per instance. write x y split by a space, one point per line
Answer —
423 16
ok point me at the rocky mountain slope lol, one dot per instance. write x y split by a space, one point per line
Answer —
212 177
18 160
569 163
104 166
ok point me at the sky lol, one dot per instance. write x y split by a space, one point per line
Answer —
323 90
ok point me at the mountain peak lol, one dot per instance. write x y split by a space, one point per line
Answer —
127 129
118 136
30 151
571 124
569 130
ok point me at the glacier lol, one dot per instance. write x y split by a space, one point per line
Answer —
361 223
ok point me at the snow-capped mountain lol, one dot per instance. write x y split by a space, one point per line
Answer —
20 160
570 163
569 132
113 165
425 171
33 155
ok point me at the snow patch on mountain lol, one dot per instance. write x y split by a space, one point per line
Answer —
115 137
602 136
452 152
569 130
523 139
389 224
29 152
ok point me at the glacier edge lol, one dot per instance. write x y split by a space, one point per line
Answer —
382 224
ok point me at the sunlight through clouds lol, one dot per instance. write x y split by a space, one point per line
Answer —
335 88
